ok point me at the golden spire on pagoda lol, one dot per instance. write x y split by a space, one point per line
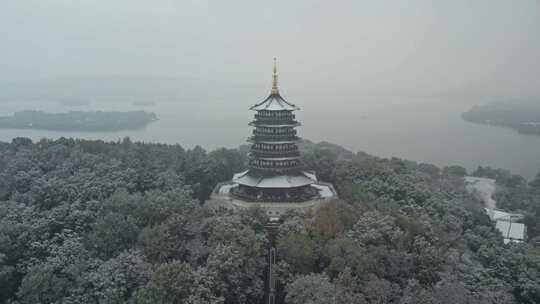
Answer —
274 79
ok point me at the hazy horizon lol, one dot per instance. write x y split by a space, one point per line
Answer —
488 49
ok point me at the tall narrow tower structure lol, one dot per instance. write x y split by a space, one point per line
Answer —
275 173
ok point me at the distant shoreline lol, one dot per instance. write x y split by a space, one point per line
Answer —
73 121
144 103
75 103
524 118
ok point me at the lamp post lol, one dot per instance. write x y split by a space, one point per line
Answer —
271 228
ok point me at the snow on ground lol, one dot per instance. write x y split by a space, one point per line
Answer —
225 189
310 175
324 191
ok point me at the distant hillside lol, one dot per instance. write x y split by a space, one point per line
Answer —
523 117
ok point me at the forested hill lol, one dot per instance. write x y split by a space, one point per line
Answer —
94 222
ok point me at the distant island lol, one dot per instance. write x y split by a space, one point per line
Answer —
522 117
144 103
74 102
78 120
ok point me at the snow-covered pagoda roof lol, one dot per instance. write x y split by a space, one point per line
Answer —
246 178
274 102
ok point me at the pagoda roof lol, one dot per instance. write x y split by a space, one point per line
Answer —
247 178
274 102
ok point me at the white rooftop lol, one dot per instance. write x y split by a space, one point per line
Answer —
512 232
324 190
497 214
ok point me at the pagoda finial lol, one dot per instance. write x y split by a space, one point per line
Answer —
274 79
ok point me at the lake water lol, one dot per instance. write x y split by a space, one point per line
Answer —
426 130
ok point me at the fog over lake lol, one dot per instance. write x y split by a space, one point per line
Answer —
421 129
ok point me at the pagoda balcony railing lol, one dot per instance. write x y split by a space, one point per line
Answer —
273 138
265 154
253 194
275 117
276 169
274 147
274 123
259 122
275 162
284 153
284 134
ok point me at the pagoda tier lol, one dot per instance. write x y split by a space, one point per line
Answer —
266 118
269 150
274 140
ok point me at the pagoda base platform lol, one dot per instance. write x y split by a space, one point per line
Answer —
225 196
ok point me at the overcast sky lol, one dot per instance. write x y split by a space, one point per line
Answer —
401 47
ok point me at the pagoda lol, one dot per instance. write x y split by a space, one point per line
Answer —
275 173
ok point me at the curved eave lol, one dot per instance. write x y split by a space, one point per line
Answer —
274 102
273 108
